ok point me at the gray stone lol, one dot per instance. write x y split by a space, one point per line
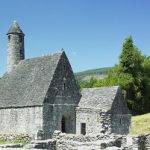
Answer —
38 93
15 46
103 110
41 95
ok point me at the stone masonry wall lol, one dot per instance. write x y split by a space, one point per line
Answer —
15 50
26 120
91 118
120 123
61 99
99 142
52 118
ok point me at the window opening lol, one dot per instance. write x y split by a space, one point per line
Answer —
9 37
64 86
64 67
83 128
120 120
63 125
20 38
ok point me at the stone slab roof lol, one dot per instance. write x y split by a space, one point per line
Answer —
98 98
28 82
15 28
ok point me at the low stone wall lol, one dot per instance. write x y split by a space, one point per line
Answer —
87 142
91 142
141 142
62 141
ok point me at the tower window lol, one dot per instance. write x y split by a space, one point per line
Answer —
64 67
120 120
64 86
20 38
9 37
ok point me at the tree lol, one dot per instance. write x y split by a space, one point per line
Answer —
133 75
130 62
146 83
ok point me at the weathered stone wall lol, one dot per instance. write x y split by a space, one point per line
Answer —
92 119
15 50
52 118
106 114
121 117
87 142
101 122
61 100
62 141
21 120
99 142
120 123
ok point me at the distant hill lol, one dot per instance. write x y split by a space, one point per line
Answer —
95 73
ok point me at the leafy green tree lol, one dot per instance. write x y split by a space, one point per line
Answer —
88 84
146 83
133 75
131 61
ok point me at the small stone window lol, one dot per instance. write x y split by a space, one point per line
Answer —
20 38
64 67
8 37
83 128
120 120
64 86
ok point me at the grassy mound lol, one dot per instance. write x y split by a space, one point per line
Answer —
140 124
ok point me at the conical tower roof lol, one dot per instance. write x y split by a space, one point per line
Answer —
15 28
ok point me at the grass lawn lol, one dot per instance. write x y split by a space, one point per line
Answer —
3 142
140 124
13 142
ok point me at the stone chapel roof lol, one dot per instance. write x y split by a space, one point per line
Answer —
27 84
98 98
15 28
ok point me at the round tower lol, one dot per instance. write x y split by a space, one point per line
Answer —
15 46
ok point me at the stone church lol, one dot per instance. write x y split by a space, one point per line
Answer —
42 94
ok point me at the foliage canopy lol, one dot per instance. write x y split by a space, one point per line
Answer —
132 73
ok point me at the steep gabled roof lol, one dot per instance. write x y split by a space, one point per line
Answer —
98 98
28 83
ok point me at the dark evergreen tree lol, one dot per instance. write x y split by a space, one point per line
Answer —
133 75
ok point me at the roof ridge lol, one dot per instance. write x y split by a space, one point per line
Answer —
44 56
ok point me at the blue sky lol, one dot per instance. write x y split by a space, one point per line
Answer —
90 31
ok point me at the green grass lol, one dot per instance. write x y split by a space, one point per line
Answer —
13 142
140 124
9 142
3 142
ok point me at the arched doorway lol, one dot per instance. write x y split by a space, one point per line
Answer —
66 124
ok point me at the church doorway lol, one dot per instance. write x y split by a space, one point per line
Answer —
65 124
